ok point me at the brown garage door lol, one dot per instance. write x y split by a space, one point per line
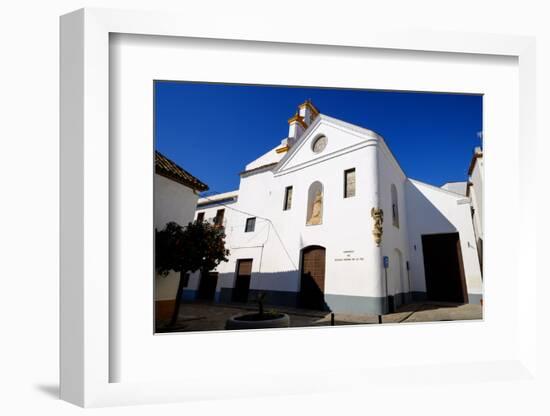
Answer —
312 281
444 268
242 281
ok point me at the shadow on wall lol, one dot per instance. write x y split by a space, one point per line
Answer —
311 296
285 280
425 212
423 216
280 288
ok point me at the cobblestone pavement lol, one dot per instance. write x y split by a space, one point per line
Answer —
202 316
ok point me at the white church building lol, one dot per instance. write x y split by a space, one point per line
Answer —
327 219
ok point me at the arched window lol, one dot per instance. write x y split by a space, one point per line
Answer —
394 206
315 204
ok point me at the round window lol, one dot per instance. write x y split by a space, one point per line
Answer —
319 144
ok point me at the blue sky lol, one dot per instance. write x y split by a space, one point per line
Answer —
214 130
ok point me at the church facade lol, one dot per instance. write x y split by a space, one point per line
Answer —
327 219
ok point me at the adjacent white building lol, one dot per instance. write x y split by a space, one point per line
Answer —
456 187
176 193
328 219
475 193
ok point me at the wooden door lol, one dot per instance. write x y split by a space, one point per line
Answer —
242 281
312 282
444 268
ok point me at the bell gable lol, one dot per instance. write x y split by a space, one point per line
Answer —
325 138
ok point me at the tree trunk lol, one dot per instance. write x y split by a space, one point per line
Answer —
178 301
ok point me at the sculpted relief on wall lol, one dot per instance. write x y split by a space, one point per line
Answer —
378 216
316 212
315 204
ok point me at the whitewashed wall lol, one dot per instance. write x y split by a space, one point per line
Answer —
476 194
270 157
173 202
433 210
395 239
353 261
232 221
456 187
275 246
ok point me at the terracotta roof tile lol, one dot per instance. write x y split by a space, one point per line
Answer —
165 167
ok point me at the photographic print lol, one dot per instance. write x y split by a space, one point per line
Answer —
283 206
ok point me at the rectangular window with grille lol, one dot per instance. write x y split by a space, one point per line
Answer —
250 225
218 220
288 198
349 183
200 217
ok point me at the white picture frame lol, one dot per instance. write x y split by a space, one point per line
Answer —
86 355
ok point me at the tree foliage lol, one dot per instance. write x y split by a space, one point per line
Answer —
198 246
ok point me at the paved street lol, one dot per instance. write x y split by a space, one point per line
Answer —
202 316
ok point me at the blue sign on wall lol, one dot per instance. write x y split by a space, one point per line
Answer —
386 262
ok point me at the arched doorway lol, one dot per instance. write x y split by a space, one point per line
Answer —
312 281
399 284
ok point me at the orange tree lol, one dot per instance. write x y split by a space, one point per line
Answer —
198 246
